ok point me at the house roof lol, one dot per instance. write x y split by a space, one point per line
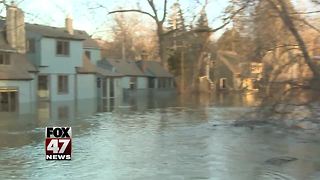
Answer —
89 68
61 32
88 41
55 32
18 69
125 67
153 69
234 62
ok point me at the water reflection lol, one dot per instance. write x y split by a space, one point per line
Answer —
168 137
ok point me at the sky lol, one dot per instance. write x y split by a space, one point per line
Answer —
88 16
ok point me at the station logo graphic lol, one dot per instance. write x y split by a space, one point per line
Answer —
58 143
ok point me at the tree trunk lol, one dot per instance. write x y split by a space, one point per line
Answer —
161 43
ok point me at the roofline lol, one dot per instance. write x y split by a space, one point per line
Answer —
17 79
59 37
87 73
88 47
97 73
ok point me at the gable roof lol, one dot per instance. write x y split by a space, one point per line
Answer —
61 32
18 69
55 32
89 68
125 67
153 69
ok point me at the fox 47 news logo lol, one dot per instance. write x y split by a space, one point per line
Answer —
58 143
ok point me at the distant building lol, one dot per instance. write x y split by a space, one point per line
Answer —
158 77
139 75
133 78
233 73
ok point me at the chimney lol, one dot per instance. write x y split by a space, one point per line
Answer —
68 25
15 28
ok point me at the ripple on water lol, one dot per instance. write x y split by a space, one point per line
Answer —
162 143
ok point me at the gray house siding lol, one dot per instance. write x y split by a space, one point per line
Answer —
222 71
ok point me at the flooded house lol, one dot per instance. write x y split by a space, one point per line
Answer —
51 64
133 78
158 77
17 75
94 81
56 52
139 75
66 59
233 73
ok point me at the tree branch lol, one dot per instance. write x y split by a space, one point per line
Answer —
132 10
155 16
229 18
164 10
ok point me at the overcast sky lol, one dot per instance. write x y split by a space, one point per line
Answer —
95 21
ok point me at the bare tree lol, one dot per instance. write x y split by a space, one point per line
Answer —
158 19
127 41
284 14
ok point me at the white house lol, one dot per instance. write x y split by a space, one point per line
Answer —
66 61
17 75
56 52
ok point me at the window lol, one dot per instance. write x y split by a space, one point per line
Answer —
8 100
62 84
162 83
88 54
98 82
31 46
133 83
62 48
42 82
4 58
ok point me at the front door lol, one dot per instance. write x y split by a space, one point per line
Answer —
43 87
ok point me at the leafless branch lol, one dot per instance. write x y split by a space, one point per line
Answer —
132 10
164 11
